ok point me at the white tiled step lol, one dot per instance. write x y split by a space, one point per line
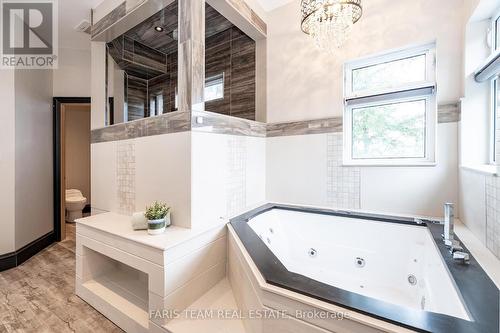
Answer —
220 297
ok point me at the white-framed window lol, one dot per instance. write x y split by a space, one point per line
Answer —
495 106
390 113
496 32
495 89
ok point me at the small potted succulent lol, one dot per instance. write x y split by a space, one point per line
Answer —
158 215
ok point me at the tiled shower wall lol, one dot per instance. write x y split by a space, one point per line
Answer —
232 53
493 214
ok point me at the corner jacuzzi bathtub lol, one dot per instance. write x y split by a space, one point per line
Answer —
393 269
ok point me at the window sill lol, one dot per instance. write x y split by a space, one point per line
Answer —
485 169
389 164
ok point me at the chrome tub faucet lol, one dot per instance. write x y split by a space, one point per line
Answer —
456 250
449 216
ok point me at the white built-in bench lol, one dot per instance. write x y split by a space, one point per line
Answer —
128 275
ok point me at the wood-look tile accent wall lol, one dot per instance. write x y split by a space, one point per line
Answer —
251 16
449 113
232 53
446 113
191 69
166 84
137 98
108 20
172 122
316 126
222 124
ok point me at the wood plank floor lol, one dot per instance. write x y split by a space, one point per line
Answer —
39 296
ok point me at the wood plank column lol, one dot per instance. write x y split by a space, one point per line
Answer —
191 55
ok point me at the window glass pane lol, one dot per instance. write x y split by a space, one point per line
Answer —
389 74
394 130
496 108
497 34
159 104
214 88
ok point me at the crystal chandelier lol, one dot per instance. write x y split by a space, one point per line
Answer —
328 22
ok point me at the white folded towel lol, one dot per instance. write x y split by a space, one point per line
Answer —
139 221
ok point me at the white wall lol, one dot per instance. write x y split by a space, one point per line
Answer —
304 83
163 172
472 193
77 150
158 168
33 158
479 188
299 170
7 162
203 176
98 84
72 78
475 129
228 175
415 190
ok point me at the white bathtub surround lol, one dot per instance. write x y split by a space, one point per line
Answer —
488 261
352 259
253 293
128 275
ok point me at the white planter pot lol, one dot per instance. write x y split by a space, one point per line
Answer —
157 227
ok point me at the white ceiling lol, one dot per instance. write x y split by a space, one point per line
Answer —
71 13
485 9
269 5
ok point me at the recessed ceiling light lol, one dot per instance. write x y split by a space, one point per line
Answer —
159 29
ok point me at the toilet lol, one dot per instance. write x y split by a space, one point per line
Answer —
75 202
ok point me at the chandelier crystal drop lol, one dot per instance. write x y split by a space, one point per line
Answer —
329 22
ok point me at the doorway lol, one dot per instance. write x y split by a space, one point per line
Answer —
71 160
